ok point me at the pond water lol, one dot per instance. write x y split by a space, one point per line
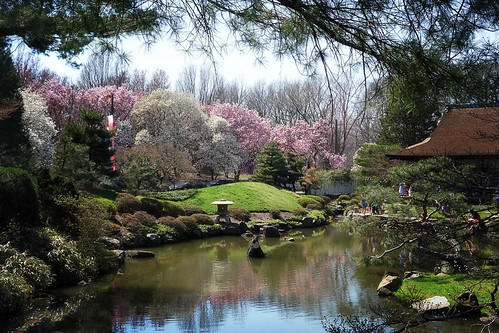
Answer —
210 285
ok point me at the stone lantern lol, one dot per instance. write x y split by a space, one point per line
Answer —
223 210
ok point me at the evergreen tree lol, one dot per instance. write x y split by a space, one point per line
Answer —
271 165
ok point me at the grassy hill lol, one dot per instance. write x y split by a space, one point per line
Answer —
255 197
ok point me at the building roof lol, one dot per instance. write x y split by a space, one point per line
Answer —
463 132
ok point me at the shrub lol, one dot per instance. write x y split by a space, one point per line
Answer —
344 197
319 216
179 195
170 221
18 202
173 209
127 203
152 206
240 214
106 260
319 199
354 202
299 212
203 219
307 200
192 209
108 206
327 200
276 214
313 206
145 219
189 222
14 292
131 223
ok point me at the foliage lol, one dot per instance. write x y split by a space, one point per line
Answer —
14 292
275 214
172 208
189 222
39 126
203 219
271 165
255 197
319 216
334 176
240 214
18 203
304 201
139 175
378 194
299 212
132 223
174 223
152 206
371 164
73 161
311 180
192 209
145 219
127 203
177 195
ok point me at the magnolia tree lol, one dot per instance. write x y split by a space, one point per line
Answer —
252 132
169 117
311 141
39 127
221 153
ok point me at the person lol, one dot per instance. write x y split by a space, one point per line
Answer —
474 220
446 210
402 190
363 204
375 209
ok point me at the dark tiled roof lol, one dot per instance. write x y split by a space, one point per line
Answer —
463 132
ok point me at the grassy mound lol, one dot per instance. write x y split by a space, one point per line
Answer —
255 197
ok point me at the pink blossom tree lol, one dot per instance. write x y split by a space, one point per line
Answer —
60 101
252 131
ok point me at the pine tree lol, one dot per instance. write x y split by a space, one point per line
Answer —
271 165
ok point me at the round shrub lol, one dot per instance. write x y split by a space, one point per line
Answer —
145 219
327 200
172 208
131 223
152 206
313 206
192 209
203 219
354 202
275 214
307 200
174 223
108 206
189 222
127 203
344 197
240 214
319 199
299 212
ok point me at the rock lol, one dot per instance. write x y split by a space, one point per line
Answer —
110 243
121 256
254 249
433 304
466 305
389 283
284 225
444 267
411 275
138 254
230 230
308 222
153 240
139 241
271 231
243 227
289 239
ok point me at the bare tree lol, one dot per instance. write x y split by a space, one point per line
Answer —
103 70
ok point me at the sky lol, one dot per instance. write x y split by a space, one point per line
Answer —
164 54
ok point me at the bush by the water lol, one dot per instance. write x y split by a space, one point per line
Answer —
203 219
313 206
275 214
192 209
174 223
173 209
306 200
14 293
240 214
299 212
152 206
145 219
189 222
132 223
127 203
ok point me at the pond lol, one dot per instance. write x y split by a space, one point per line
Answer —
210 285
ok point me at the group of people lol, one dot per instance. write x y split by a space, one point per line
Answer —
371 209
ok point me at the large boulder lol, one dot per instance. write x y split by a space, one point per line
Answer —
433 304
308 222
389 283
110 243
271 231
254 249
138 254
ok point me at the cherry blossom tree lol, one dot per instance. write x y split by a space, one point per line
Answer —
60 101
39 127
252 132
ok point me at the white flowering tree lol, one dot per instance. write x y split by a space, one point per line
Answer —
220 154
39 126
169 117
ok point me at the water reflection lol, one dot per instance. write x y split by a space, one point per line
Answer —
212 286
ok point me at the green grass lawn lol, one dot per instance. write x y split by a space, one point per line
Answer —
450 286
252 196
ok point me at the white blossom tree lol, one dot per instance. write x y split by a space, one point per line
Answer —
40 127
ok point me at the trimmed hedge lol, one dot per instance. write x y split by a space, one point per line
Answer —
307 200
127 203
172 208
152 206
192 209
203 219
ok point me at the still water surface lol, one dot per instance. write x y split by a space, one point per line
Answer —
211 285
